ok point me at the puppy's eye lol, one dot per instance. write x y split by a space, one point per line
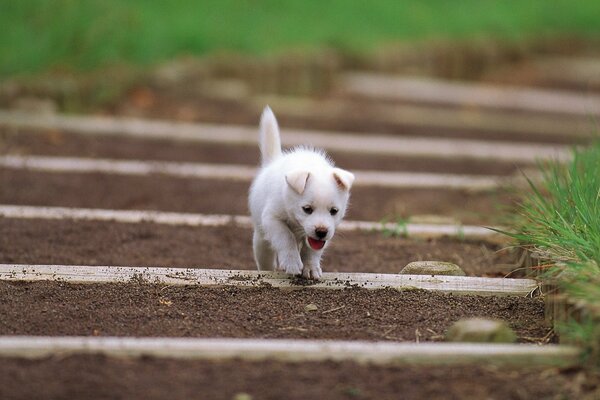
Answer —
333 211
307 209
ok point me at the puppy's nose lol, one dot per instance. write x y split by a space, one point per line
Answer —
321 232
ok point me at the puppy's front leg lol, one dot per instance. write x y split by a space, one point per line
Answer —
312 262
284 243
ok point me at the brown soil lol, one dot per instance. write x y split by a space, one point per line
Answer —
141 309
56 143
358 115
100 377
362 116
545 73
167 193
109 243
134 309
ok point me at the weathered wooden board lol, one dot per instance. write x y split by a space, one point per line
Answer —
330 280
437 91
293 350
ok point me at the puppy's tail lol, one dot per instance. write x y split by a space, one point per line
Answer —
269 141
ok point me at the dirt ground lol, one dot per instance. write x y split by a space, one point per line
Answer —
213 196
146 244
58 143
355 115
100 377
134 309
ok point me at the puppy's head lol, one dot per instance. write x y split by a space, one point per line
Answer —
318 201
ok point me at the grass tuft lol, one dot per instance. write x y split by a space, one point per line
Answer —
560 221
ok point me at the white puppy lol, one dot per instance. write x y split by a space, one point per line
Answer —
296 201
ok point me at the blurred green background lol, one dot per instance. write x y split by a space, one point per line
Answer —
38 35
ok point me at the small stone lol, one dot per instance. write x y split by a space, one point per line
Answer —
311 307
165 302
432 268
242 396
480 330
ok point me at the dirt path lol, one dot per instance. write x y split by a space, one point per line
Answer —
137 309
100 377
133 309
108 243
96 190
355 115
56 143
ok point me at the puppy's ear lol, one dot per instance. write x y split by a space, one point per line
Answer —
343 178
297 179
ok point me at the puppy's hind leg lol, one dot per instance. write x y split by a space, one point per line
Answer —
263 254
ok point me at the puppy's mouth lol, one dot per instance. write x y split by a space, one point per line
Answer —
316 244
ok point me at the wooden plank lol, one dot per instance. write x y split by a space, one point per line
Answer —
189 219
123 216
210 277
129 167
436 91
343 142
243 172
294 350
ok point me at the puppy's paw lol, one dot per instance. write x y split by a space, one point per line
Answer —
290 263
313 272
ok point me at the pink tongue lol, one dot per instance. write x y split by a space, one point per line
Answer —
316 244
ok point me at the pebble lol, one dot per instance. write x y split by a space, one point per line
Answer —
480 330
242 396
432 268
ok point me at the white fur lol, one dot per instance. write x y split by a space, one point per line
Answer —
285 184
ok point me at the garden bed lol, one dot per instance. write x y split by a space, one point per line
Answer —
100 377
141 309
40 241
167 193
58 143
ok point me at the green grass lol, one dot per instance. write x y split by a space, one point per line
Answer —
561 221
399 228
562 218
87 34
